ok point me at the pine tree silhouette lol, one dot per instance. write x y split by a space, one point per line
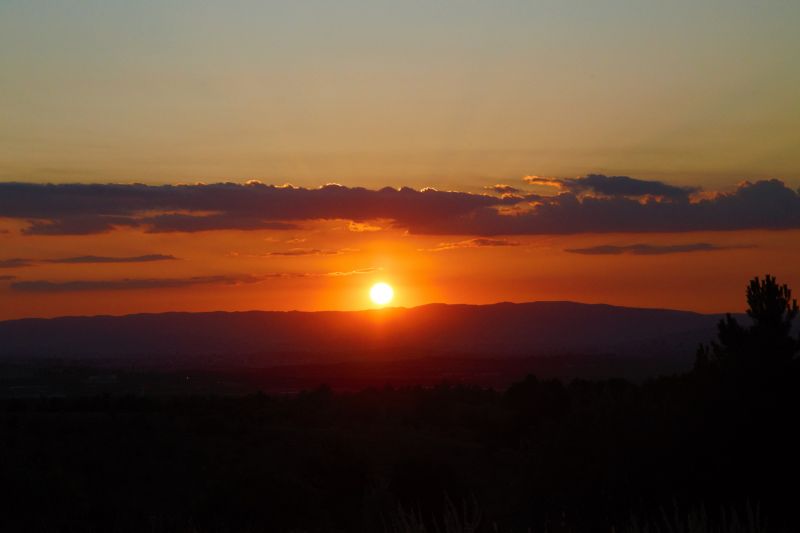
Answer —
767 343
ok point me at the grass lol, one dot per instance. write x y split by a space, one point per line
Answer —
698 521
467 519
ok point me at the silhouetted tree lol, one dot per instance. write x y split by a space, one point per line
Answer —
767 343
702 359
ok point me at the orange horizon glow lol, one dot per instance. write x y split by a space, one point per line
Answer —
423 269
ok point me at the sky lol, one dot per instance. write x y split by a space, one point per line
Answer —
634 153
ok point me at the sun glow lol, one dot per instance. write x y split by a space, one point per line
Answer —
381 293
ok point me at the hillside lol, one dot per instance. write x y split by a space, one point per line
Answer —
266 338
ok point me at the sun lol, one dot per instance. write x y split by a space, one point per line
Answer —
381 293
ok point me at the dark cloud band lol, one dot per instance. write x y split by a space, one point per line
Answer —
481 242
762 205
623 186
86 259
15 263
49 287
501 188
593 204
42 286
651 249
80 209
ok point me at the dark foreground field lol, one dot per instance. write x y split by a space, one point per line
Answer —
714 449
586 456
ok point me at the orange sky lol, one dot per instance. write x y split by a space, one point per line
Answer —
671 125
333 268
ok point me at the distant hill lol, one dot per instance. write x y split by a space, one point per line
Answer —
259 338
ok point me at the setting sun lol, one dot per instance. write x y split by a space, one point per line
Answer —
381 293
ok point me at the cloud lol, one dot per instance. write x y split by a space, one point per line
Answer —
85 259
480 242
761 205
502 189
50 287
149 258
174 223
651 249
293 252
592 204
361 227
598 184
7 278
82 209
42 286
78 225
356 272
15 263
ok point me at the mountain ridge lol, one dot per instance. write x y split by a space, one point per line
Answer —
368 310
503 329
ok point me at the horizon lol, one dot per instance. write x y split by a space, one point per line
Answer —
379 309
